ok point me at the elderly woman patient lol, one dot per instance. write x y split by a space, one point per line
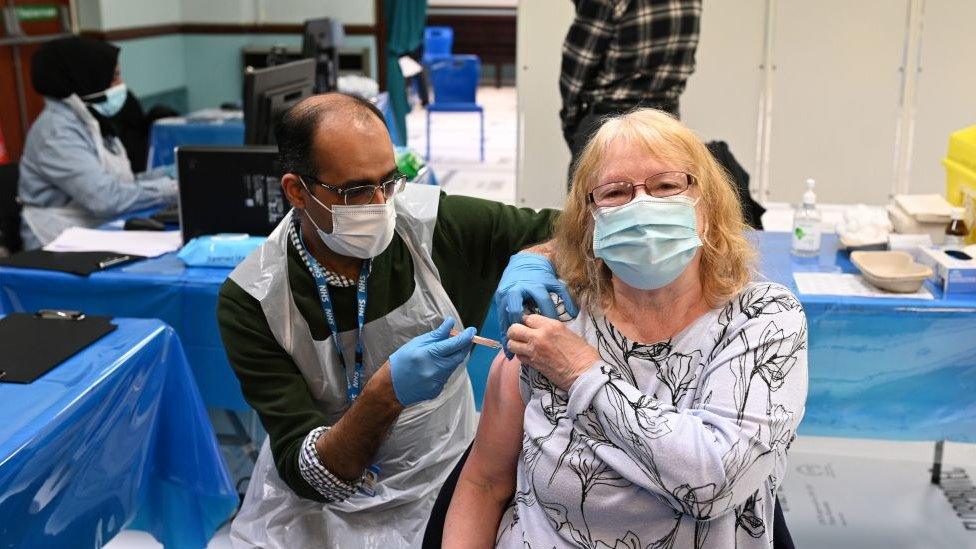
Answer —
661 416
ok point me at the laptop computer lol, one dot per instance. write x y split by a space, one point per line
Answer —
229 189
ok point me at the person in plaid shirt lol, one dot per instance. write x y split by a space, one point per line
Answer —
620 54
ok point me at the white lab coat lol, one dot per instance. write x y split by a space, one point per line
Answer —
70 176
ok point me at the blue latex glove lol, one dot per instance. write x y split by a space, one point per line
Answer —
422 366
528 279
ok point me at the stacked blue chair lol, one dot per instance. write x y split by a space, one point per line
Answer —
438 42
455 82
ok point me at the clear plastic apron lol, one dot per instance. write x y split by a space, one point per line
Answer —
47 223
423 445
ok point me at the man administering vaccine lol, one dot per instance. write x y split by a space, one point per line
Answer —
340 327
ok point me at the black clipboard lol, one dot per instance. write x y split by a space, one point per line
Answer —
79 263
33 344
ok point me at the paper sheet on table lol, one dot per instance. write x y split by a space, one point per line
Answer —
144 243
847 284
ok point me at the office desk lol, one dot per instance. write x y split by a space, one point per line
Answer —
168 133
886 368
883 368
890 368
164 288
117 436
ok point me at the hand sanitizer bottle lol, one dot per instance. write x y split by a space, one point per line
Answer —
806 224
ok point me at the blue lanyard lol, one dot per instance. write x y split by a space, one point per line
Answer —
353 386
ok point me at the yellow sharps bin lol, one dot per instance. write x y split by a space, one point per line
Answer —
960 165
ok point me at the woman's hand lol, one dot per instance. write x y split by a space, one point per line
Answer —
551 348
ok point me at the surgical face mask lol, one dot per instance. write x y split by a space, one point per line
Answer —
357 231
114 99
649 241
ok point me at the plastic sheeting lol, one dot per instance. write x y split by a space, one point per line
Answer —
164 288
888 368
116 436
879 368
219 250
168 133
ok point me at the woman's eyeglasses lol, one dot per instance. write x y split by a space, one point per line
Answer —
364 194
662 185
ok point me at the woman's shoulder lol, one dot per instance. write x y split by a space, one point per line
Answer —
762 299
57 121
764 291
764 314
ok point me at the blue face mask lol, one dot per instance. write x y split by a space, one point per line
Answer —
114 99
649 241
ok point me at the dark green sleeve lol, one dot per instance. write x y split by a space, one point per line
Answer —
270 381
473 240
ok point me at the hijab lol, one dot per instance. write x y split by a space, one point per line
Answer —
75 65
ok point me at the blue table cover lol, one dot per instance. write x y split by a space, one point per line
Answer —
891 368
117 436
168 133
164 288
879 368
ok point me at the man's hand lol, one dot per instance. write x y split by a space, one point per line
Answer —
422 366
528 278
552 349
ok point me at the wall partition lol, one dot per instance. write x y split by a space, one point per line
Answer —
861 96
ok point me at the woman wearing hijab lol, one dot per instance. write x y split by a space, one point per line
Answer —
74 171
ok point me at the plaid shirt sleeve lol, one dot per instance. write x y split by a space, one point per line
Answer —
586 43
332 488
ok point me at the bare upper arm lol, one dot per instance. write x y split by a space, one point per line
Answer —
494 456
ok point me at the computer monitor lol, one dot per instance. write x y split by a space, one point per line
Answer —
270 92
320 42
229 190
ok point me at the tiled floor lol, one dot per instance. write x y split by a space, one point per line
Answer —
956 454
133 539
454 146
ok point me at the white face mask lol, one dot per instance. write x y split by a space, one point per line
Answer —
647 242
357 231
113 101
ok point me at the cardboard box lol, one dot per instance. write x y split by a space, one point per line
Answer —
906 224
954 276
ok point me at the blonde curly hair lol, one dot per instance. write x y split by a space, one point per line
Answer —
727 256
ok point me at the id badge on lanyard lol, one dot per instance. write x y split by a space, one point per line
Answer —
370 478
353 386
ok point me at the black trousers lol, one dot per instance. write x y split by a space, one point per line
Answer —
435 526
578 137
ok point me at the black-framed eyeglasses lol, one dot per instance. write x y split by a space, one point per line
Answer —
363 194
662 185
